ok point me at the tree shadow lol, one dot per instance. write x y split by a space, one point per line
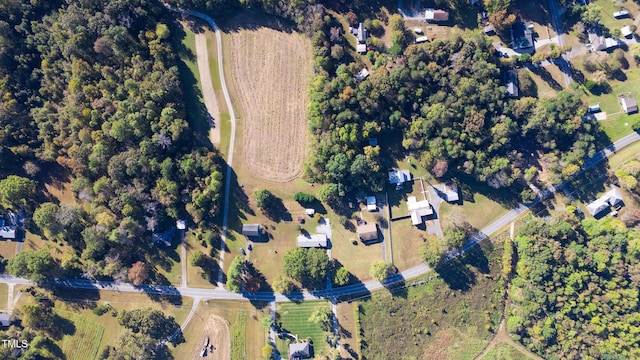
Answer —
63 326
546 76
457 272
276 211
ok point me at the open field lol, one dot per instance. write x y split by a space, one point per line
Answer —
448 314
293 318
254 335
270 70
406 241
216 333
8 248
348 330
83 343
477 209
502 352
4 292
79 304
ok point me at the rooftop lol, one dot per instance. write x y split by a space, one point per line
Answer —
368 232
312 240
522 36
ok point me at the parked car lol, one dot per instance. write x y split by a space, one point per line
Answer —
250 247
242 251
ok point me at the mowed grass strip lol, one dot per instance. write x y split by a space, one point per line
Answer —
83 343
238 337
294 318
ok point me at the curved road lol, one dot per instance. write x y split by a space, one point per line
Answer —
232 119
366 287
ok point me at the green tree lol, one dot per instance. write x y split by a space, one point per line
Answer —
264 198
591 14
381 270
148 321
308 266
433 253
455 236
282 284
267 352
304 197
197 258
45 218
329 192
37 317
16 190
341 276
36 265
322 316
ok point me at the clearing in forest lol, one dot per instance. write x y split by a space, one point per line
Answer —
270 71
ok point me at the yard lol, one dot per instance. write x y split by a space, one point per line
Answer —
346 313
247 334
609 7
293 319
271 90
98 332
449 315
4 293
199 240
618 124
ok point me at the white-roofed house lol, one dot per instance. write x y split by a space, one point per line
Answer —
312 241
418 209
398 177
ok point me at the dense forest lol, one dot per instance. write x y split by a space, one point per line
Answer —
446 101
93 87
576 289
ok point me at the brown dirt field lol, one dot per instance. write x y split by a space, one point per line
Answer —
217 330
270 70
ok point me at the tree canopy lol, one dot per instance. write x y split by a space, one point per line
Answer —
308 266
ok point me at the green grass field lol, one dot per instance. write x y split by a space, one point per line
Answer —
294 320
503 352
446 318
83 343
238 338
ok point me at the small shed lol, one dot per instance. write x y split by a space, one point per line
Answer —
363 74
361 48
181 224
594 108
621 14
489 30
421 39
310 212
367 232
371 203
252 230
629 104
5 320
511 83
451 194
436 15
626 31
312 241
7 232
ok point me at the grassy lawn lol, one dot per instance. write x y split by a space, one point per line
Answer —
79 304
609 7
349 335
406 240
624 155
477 209
449 314
36 242
234 312
4 293
196 240
293 318
502 352
544 89
617 124
83 343
8 248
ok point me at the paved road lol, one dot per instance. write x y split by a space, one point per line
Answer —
232 119
557 24
362 288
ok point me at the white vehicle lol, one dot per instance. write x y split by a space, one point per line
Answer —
418 30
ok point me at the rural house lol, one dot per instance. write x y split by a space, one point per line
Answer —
251 230
367 232
629 104
5 320
312 241
436 15
511 83
600 43
522 36
361 35
299 351
611 198
418 209
398 177
363 74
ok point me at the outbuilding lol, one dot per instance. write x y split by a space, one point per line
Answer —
251 230
312 241
5 320
629 104
367 232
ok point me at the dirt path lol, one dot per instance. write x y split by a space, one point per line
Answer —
208 94
217 331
